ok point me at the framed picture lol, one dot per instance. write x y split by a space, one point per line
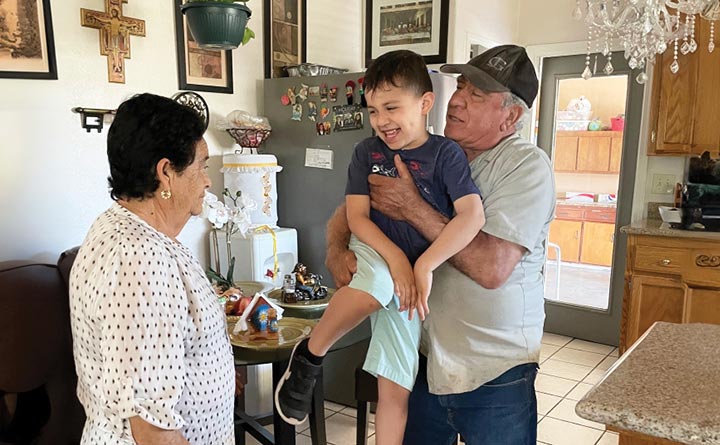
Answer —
285 35
27 46
420 26
200 69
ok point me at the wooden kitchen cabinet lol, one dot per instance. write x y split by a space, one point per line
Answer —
566 147
588 151
669 279
585 234
685 106
597 243
566 234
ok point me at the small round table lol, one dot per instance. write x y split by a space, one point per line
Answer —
279 358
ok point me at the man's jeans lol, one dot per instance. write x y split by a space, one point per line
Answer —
501 412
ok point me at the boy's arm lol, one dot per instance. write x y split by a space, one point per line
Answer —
358 215
454 236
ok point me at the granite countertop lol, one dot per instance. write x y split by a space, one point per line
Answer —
666 385
655 227
563 202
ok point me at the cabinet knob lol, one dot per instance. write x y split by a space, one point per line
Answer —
665 262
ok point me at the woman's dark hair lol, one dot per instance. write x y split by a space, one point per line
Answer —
146 129
402 69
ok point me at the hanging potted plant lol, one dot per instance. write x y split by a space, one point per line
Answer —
218 24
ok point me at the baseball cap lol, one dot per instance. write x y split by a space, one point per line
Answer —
500 69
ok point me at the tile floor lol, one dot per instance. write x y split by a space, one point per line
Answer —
580 285
568 369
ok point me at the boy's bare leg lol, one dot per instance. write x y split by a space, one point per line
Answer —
347 309
392 412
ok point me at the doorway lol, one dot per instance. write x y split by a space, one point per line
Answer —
590 130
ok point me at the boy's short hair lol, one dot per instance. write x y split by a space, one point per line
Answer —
402 69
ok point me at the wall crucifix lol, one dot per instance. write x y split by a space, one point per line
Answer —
115 32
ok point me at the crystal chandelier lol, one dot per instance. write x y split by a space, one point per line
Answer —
644 28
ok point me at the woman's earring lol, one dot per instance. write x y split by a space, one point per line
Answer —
166 194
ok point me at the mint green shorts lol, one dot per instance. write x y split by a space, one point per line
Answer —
393 351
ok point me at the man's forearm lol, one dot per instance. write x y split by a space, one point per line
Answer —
487 260
338 230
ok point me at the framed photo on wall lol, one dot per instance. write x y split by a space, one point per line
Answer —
285 35
200 69
27 45
420 26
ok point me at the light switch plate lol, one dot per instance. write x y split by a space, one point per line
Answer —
663 184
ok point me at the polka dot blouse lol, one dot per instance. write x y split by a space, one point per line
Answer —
149 338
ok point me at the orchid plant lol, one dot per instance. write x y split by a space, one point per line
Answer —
231 219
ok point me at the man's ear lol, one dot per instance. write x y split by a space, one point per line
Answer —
428 99
514 115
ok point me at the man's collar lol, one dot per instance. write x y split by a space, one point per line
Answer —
491 154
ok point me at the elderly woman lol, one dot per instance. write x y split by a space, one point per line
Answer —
153 358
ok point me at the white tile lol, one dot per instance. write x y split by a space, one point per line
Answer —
564 369
546 402
590 346
615 352
558 432
565 410
555 339
305 426
546 351
553 385
594 377
607 363
609 438
350 411
341 429
334 406
301 439
578 357
579 391
371 440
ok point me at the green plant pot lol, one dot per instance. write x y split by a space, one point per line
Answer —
216 25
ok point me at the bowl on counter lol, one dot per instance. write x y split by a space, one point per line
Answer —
670 215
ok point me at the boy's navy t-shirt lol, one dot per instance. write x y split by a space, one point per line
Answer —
441 172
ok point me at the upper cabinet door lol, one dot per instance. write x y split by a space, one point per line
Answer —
706 123
685 106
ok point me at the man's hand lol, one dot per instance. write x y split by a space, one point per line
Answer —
393 196
342 264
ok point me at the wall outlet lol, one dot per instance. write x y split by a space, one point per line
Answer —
663 184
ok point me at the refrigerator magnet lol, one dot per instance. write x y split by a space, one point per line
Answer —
314 90
324 110
297 112
333 94
323 92
350 91
312 110
361 90
303 93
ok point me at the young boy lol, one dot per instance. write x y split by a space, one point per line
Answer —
394 262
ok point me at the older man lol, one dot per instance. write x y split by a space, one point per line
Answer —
481 340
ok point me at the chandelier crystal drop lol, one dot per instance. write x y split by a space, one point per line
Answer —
644 28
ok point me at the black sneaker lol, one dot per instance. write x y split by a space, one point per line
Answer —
293 395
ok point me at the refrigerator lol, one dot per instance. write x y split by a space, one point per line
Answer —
312 182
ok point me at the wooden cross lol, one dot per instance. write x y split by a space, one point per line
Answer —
115 32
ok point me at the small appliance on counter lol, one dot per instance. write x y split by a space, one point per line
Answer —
700 195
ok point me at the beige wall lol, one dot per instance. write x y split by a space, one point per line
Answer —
607 95
586 183
548 21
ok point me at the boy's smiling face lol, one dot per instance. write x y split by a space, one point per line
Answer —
398 115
